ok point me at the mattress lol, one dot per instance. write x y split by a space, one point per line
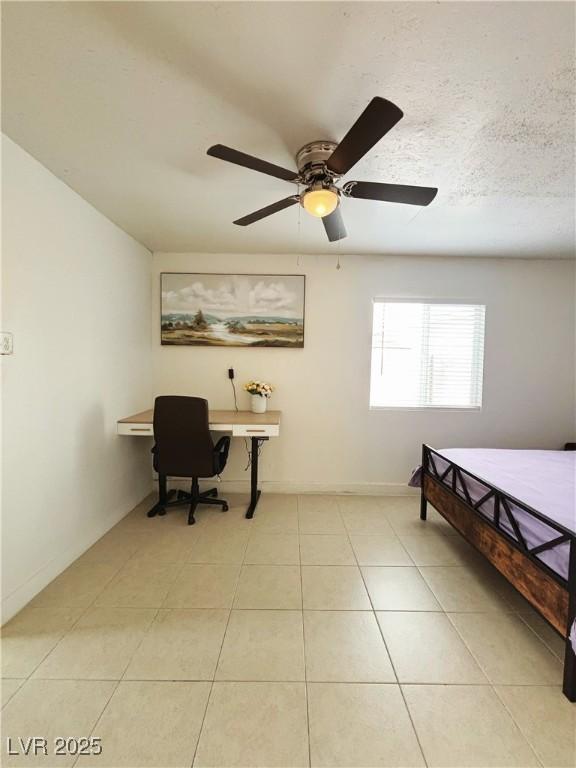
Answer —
543 480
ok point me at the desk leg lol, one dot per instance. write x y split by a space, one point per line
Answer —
254 492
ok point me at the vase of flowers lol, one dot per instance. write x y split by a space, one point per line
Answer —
259 391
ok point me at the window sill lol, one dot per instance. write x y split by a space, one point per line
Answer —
453 409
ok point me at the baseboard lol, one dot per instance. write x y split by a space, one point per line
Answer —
304 487
16 600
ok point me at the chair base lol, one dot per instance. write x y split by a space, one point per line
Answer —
194 498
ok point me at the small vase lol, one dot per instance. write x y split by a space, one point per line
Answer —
258 404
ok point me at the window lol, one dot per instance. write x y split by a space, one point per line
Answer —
427 355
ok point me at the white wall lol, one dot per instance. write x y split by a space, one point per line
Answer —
76 295
330 439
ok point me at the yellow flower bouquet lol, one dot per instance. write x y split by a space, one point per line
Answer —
260 391
259 388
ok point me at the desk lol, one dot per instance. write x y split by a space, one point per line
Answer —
257 426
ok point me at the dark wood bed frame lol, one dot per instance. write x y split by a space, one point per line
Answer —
444 485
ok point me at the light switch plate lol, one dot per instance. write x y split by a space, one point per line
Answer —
6 343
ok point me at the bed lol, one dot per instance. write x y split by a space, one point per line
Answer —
518 508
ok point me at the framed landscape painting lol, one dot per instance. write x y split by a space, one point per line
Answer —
232 310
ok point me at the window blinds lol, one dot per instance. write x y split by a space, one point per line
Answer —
427 355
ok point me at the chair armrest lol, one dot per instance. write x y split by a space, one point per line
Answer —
221 453
223 445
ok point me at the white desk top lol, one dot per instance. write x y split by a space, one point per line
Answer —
239 423
215 417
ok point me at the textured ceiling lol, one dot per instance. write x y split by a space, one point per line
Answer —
121 100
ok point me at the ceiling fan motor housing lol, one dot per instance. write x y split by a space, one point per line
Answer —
311 162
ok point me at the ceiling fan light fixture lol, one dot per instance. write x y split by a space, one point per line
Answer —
320 201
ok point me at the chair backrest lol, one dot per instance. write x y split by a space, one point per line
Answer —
184 446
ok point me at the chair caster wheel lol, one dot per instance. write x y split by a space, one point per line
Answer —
225 507
152 512
161 512
191 521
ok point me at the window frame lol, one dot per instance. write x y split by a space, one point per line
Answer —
468 409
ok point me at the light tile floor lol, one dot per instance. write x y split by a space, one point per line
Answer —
328 631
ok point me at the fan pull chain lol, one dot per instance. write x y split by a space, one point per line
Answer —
299 231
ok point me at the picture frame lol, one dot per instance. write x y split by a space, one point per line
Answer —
232 310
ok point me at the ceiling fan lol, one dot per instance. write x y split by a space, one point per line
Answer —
321 164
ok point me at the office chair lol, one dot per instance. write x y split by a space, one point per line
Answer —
184 448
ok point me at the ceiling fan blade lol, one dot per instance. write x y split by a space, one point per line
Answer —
390 193
268 211
376 120
334 225
254 163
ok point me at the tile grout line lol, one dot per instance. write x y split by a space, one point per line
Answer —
218 660
294 565
409 713
476 658
517 725
22 681
144 636
486 684
531 628
470 651
104 708
303 633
